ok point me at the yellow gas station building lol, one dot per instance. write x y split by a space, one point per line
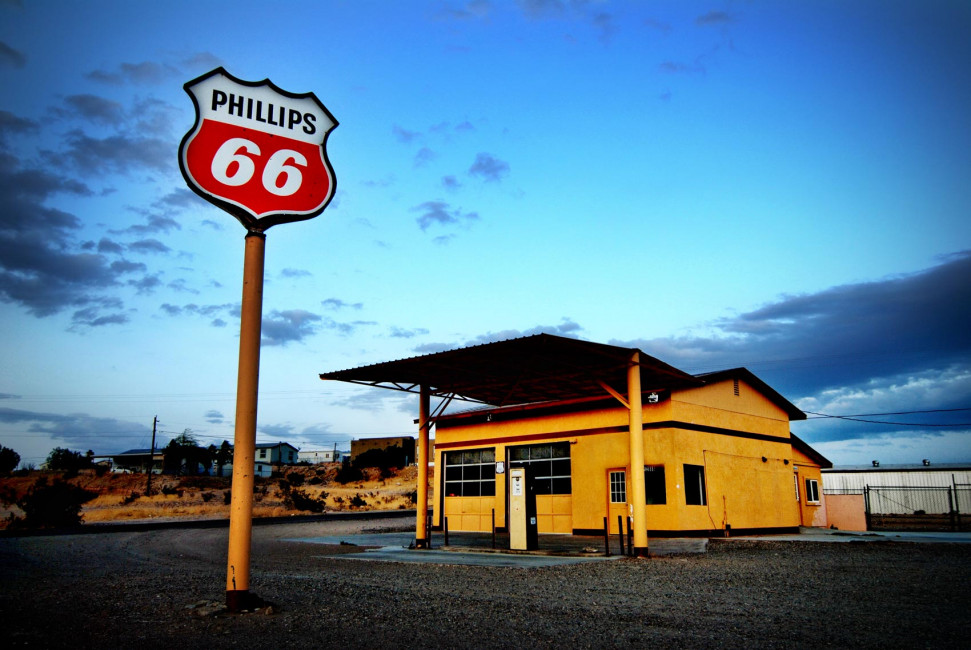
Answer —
608 434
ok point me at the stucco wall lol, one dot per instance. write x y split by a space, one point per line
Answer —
846 511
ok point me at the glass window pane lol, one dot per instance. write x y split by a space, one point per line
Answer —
471 457
470 473
453 489
561 450
470 489
519 453
540 451
488 488
561 486
453 458
560 467
488 456
453 473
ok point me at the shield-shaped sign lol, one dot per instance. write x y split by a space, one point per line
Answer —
257 151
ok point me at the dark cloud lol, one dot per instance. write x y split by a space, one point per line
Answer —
146 72
42 267
116 154
125 266
203 61
900 343
441 213
12 57
488 168
180 198
80 431
149 247
295 273
424 157
567 327
11 124
214 417
146 284
110 247
293 325
402 333
844 335
403 135
278 431
154 223
203 311
92 317
93 108
714 18
605 26
337 303
181 286
451 183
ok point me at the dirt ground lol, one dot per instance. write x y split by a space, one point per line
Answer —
164 588
125 497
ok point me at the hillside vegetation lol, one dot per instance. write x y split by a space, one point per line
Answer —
292 490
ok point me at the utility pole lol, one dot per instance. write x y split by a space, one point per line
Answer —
151 459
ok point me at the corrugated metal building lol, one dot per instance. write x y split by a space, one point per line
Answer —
905 489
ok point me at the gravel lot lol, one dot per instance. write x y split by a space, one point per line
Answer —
149 590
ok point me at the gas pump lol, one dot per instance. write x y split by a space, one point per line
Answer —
523 530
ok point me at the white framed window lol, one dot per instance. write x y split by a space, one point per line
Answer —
550 463
618 487
812 491
470 473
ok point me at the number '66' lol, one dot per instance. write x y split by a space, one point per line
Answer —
280 166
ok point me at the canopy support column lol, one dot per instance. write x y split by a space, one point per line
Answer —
424 423
638 492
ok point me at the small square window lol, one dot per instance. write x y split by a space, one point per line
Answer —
812 491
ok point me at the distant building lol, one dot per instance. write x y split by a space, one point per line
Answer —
268 456
315 456
135 460
407 443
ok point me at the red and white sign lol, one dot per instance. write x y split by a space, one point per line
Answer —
257 151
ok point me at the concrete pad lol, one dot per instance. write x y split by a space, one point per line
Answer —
393 547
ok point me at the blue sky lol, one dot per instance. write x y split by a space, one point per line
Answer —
777 185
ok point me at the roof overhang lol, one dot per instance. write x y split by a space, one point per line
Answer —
525 370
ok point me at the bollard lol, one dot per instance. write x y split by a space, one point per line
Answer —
630 539
620 532
606 538
445 527
493 528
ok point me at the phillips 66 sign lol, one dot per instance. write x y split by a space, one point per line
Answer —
257 151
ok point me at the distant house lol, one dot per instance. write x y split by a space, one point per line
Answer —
135 460
268 456
314 456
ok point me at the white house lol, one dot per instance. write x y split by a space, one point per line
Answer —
314 456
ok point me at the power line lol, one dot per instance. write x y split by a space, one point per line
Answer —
859 418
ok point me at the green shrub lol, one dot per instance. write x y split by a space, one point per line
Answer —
57 505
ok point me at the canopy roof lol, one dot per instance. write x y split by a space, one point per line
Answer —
525 370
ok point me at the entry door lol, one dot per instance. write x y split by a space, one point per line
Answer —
616 498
